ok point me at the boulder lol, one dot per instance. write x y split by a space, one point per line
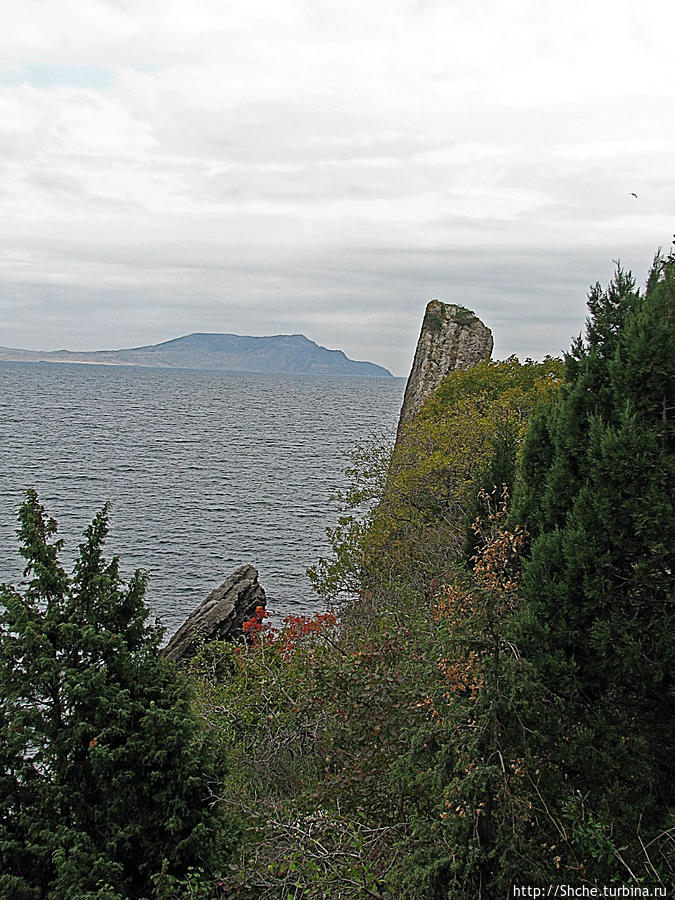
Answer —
220 616
452 337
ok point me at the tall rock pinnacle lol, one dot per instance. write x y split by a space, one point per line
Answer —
452 337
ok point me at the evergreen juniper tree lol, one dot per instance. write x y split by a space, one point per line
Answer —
104 780
597 622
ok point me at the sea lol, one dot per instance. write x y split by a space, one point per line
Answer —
205 471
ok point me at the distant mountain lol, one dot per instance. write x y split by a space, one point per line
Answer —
291 354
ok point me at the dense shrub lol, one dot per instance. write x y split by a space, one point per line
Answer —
466 437
367 758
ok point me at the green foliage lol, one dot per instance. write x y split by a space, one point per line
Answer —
597 620
373 757
367 470
467 727
433 320
494 706
351 748
465 316
103 775
466 437
512 729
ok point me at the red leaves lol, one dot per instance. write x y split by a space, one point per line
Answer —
254 625
295 629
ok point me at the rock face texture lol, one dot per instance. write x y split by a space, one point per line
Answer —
220 616
452 337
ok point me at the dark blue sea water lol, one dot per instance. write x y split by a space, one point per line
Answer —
205 470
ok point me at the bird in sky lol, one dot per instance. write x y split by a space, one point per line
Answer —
633 194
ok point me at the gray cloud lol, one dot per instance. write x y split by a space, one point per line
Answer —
326 168
368 302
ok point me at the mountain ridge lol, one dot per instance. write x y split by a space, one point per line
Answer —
280 354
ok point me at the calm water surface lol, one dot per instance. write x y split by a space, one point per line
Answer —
205 470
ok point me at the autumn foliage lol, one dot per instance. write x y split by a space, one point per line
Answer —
465 722
487 698
293 631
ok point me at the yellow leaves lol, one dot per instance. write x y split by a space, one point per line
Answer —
462 675
435 463
501 548
430 706
453 606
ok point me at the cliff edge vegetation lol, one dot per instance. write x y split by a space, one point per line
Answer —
487 701
490 703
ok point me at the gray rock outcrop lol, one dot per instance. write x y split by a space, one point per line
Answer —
220 616
452 337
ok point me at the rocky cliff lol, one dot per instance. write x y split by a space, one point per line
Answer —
220 616
452 337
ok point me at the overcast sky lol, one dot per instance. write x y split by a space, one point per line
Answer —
327 167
